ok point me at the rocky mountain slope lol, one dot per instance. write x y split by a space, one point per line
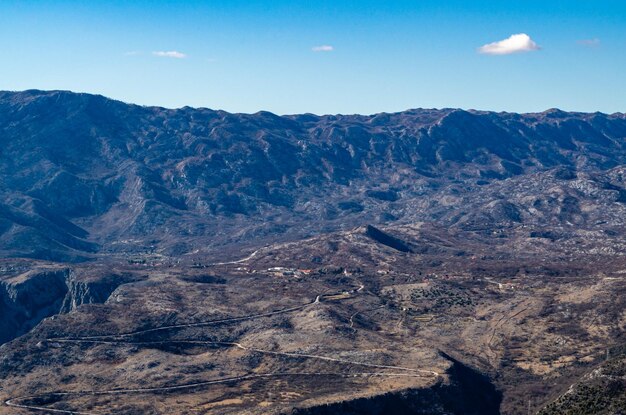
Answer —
195 261
601 391
81 174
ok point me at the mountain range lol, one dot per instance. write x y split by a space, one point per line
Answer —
175 261
83 176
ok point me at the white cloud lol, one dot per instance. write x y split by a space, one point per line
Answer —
514 44
323 48
170 54
592 43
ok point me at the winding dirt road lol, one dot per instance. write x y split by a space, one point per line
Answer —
13 402
117 339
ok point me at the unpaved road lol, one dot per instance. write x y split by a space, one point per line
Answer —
14 402
118 339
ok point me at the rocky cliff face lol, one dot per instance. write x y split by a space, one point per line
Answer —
88 292
83 174
25 303
27 299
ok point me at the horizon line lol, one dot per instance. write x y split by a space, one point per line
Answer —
442 109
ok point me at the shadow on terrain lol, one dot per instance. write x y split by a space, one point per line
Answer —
468 393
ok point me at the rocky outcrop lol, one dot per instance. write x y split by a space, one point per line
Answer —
88 292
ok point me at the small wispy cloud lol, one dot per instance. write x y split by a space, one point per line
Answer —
590 43
170 54
322 48
514 44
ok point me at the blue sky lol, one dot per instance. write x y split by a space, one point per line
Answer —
252 55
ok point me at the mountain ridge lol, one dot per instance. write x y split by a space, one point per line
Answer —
81 172
556 110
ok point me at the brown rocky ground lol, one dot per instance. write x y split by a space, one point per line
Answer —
330 319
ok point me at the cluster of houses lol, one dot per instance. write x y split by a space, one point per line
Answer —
289 272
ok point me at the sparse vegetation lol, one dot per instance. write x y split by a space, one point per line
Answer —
195 261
